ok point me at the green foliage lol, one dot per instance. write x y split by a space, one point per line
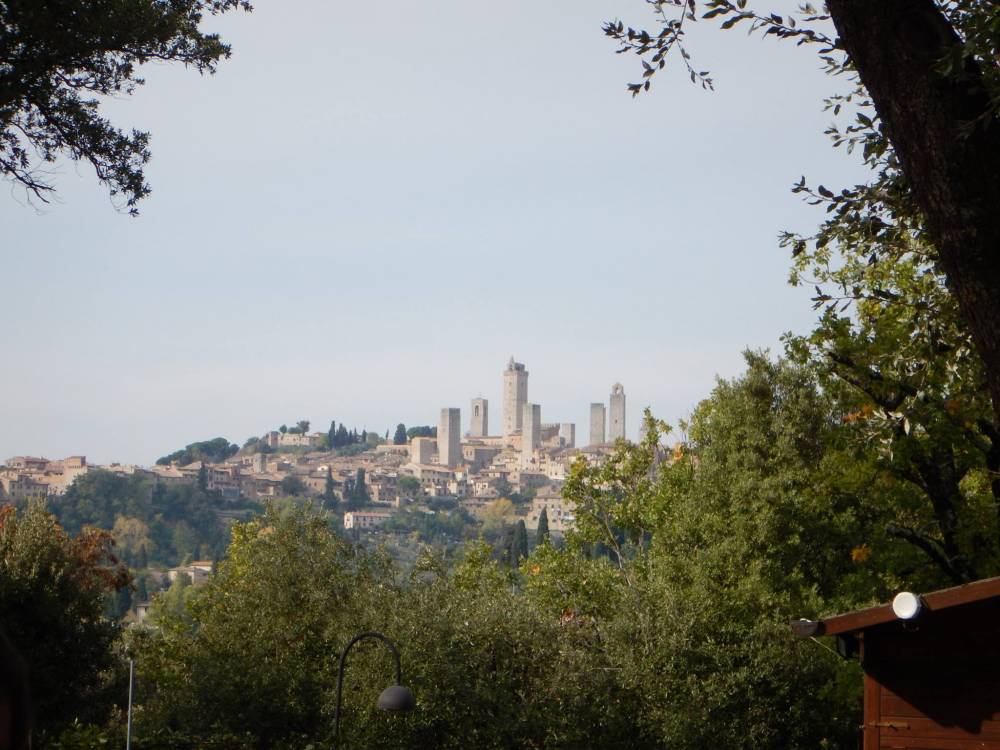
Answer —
542 533
53 589
58 60
913 395
154 523
421 431
356 492
328 487
293 486
519 543
409 486
216 450
400 437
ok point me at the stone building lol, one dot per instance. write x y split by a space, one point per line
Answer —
449 438
616 422
421 449
515 396
531 431
480 425
567 431
597 415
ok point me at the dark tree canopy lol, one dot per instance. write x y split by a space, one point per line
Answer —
399 438
58 56
926 103
52 591
214 450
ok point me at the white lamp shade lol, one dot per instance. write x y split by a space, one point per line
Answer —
906 605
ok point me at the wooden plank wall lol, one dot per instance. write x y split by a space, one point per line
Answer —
934 684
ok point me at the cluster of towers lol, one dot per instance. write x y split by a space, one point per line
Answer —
519 417
599 418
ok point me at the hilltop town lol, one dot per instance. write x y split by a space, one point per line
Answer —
371 479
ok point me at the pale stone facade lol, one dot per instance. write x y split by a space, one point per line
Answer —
616 421
597 414
567 431
359 520
531 431
515 396
561 513
480 424
449 437
421 450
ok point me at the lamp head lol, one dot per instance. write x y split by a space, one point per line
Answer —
397 698
906 605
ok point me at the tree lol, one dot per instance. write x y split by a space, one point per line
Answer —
293 486
421 431
928 77
409 486
399 438
52 593
519 545
542 535
203 477
303 425
331 435
328 493
216 450
496 514
903 367
57 59
356 493
283 429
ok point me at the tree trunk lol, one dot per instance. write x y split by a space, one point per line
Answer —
896 46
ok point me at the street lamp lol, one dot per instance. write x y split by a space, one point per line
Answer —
397 698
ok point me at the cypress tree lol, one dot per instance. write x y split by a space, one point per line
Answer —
400 437
328 490
331 435
542 535
520 544
507 547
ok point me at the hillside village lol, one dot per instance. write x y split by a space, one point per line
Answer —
453 475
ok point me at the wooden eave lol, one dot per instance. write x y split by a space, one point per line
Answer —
862 619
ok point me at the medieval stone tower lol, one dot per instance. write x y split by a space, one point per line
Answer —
480 424
597 415
515 396
531 432
449 438
616 423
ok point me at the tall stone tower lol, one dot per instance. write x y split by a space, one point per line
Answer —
567 431
449 438
531 431
616 423
597 415
515 396
480 426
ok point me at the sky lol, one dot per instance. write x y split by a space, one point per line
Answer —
372 206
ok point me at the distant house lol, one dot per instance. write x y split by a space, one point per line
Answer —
364 520
196 571
931 664
560 513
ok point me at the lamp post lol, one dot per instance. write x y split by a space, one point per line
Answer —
396 697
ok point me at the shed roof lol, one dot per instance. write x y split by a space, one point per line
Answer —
862 619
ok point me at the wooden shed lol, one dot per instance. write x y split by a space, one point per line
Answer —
932 680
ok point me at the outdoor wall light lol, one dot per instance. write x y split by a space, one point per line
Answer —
396 698
906 605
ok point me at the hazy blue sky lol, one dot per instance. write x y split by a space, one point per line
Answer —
372 206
